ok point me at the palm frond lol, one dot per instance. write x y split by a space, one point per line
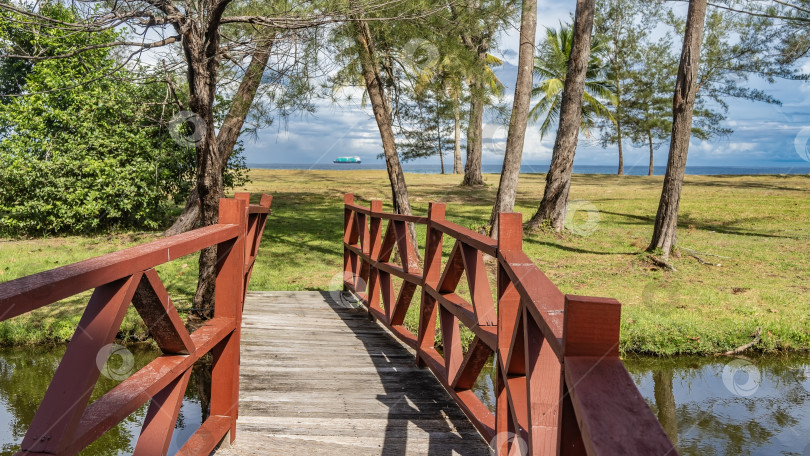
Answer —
551 67
491 60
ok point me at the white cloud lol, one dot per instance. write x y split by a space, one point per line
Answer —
763 134
549 14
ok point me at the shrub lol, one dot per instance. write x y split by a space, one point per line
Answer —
86 149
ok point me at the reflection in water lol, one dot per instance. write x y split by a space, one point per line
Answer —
703 416
484 386
697 409
710 418
25 373
665 401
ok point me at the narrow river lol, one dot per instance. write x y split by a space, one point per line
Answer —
25 373
708 405
721 405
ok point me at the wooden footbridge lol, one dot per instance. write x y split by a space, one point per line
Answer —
311 373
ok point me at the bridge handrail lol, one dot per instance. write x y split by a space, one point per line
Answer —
65 423
561 386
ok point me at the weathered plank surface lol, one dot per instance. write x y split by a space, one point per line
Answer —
317 377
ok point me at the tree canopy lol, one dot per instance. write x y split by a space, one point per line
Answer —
87 158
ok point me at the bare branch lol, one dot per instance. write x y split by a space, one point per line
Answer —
142 46
762 15
79 84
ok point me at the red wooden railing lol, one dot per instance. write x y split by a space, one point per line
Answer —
561 387
65 423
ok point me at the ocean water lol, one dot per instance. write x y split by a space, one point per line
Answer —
542 168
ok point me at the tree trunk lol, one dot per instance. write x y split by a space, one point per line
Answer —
201 374
558 181
665 402
202 84
201 49
666 220
472 170
189 218
382 114
457 140
228 134
510 174
619 135
203 55
652 156
439 134
618 81
243 99
441 160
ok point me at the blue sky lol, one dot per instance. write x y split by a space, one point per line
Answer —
764 135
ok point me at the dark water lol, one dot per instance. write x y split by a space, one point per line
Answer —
708 405
26 372
542 168
721 405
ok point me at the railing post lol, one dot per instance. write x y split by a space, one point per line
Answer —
510 237
375 245
431 274
526 361
361 279
251 222
228 304
256 222
350 237
591 328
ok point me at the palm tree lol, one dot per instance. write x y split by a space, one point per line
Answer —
452 73
551 65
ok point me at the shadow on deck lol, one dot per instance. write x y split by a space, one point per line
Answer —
317 377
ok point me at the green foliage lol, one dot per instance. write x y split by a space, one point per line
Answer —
85 148
734 48
793 25
14 71
428 69
646 114
78 193
426 125
475 23
551 66
641 70
434 102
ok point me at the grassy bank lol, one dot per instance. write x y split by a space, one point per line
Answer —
754 230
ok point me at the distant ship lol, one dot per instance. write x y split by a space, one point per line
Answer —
352 160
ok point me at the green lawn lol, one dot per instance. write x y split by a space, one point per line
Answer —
755 230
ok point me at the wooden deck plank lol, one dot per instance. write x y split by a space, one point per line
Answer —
317 377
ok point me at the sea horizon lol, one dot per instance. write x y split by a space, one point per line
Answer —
629 170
